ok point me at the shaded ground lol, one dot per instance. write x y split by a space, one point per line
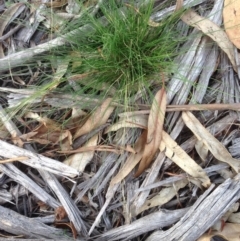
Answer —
162 165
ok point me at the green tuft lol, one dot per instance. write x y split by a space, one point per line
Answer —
123 52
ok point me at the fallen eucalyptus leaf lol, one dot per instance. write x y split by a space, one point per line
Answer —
202 150
214 146
173 151
211 30
98 118
164 196
80 160
132 160
230 232
155 126
139 121
231 19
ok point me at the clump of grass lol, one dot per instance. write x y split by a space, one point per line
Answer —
119 58
119 55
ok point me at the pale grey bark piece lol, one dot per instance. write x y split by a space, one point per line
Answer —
25 56
74 214
214 129
45 239
229 90
205 76
167 181
37 161
167 11
187 81
237 61
122 137
13 193
140 198
10 170
46 219
17 224
98 177
235 148
184 66
42 239
111 172
5 196
110 163
190 67
25 34
208 209
156 220
231 137
55 99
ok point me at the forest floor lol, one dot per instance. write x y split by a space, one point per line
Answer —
120 120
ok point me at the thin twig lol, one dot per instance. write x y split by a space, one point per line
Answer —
20 158
180 177
201 107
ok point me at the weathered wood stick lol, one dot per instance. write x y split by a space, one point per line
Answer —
15 223
208 209
37 161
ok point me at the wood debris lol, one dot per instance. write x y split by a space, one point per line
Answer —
78 162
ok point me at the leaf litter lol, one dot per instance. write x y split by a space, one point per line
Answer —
111 172
154 130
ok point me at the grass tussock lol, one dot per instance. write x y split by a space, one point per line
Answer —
123 52
118 56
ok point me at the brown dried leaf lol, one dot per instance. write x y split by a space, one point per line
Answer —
80 160
231 19
43 207
155 126
132 160
60 213
179 5
98 118
50 124
230 232
41 141
46 136
164 196
20 158
65 140
28 135
211 30
173 151
77 113
17 141
49 132
138 121
130 149
214 146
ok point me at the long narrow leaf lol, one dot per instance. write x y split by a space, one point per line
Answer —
155 126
